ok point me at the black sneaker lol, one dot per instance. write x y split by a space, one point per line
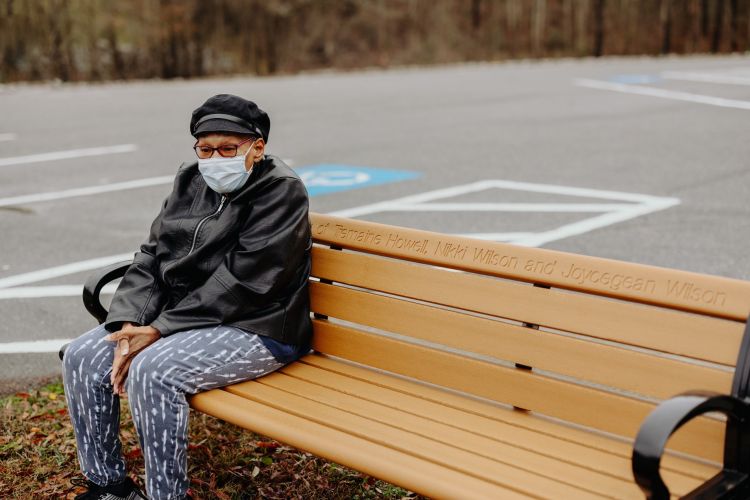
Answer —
125 490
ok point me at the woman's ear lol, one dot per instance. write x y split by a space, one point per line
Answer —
258 150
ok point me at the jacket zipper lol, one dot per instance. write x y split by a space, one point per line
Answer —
195 234
198 227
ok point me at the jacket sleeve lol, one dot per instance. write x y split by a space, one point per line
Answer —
272 245
139 297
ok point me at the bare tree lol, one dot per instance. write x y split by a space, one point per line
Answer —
92 39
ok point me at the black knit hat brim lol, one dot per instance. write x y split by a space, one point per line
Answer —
219 125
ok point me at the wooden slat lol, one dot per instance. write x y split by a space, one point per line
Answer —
516 419
460 439
505 476
518 437
400 468
633 371
721 297
699 337
605 411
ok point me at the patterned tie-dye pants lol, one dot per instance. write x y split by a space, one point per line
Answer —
158 380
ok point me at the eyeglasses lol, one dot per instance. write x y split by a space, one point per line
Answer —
225 150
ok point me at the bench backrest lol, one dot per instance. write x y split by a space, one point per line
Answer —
606 339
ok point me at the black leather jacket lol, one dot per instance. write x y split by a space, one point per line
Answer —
241 259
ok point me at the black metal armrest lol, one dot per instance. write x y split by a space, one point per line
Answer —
664 421
93 288
94 285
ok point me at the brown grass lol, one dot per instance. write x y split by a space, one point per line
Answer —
38 457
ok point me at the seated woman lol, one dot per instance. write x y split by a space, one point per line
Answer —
216 295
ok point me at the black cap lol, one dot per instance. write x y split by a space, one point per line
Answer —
230 113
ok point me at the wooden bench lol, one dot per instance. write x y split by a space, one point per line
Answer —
463 368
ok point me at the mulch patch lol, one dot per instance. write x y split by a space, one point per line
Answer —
38 458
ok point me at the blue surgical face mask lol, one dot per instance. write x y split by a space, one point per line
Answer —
225 175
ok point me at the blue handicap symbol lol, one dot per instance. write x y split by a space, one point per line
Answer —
331 178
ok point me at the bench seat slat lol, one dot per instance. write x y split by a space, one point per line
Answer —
699 337
585 406
498 430
503 415
400 468
426 449
532 451
564 471
634 371
712 295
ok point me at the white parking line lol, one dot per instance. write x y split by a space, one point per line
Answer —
64 155
57 271
36 292
85 191
509 207
587 225
91 190
8 137
634 205
37 346
437 194
640 204
495 236
663 93
722 78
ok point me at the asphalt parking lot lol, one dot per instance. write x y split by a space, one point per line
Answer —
523 152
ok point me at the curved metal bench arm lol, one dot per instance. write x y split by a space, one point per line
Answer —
672 414
93 288
94 285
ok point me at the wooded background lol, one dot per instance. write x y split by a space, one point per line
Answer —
74 40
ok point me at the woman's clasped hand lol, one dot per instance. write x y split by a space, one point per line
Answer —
130 340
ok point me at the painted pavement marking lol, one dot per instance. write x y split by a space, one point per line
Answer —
621 207
64 155
729 76
706 77
34 292
663 93
319 179
637 205
331 178
34 346
64 270
86 191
